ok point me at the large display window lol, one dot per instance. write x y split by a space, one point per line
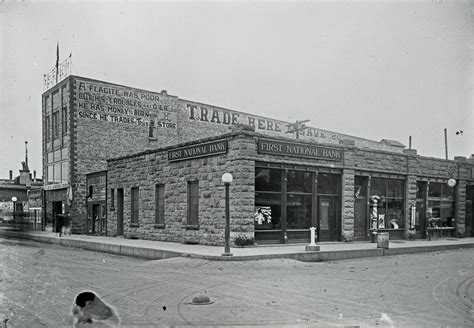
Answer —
290 201
387 203
440 209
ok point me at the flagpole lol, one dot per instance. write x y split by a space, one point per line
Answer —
57 62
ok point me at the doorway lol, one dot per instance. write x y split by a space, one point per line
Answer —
361 216
328 223
120 212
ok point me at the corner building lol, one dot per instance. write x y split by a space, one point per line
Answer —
125 161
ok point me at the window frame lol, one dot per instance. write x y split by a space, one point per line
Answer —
193 205
383 203
134 206
55 124
160 206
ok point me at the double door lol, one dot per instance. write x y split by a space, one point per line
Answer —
96 220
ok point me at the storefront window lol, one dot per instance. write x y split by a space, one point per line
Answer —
267 211
298 211
434 190
328 184
267 179
299 181
390 202
441 205
378 187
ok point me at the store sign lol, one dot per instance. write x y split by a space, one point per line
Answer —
298 150
200 150
56 186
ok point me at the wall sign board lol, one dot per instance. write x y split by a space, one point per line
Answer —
284 148
199 150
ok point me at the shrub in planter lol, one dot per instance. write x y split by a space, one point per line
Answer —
243 240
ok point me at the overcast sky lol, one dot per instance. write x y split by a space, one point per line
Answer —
377 70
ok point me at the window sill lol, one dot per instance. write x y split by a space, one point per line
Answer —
152 138
134 225
191 226
159 226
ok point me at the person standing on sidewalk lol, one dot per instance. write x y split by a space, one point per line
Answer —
60 223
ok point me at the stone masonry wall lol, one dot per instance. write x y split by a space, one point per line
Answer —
147 170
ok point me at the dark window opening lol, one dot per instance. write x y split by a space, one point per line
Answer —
160 204
134 205
193 202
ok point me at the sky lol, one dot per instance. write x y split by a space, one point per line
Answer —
373 69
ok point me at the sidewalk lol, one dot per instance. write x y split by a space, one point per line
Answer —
154 250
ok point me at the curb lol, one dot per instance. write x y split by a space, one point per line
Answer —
158 254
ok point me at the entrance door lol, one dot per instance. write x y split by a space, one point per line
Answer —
327 217
119 212
360 219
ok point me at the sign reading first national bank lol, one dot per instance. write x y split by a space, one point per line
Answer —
298 150
199 150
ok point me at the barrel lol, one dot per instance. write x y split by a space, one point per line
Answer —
382 240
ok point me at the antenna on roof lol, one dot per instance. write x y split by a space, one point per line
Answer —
297 127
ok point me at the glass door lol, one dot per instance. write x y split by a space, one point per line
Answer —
327 217
299 205
360 209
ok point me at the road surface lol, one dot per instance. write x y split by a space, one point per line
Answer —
39 283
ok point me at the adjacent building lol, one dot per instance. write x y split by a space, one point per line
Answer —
143 164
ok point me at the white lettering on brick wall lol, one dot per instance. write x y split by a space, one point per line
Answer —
122 105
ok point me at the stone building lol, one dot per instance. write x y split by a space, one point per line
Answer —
27 189
125 161
282 187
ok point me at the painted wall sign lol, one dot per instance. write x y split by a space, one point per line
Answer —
123 105
215 115
298 150
200 150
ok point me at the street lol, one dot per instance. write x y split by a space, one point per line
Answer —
39 283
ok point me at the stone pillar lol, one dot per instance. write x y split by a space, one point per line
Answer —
348 203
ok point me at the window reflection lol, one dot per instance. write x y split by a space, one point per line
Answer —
273 201
267 179
298 211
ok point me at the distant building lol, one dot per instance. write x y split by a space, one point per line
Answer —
21 187
143 164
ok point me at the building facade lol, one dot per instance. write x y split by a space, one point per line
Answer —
283 187
126 161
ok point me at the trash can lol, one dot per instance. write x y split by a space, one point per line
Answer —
382 240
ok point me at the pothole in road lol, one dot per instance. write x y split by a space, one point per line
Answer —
201 300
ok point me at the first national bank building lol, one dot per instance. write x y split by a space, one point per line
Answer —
143 164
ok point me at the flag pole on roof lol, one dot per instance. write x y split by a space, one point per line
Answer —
57 61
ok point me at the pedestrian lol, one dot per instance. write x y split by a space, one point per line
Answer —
60 223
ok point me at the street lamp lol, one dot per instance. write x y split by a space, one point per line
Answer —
227 179
14 199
